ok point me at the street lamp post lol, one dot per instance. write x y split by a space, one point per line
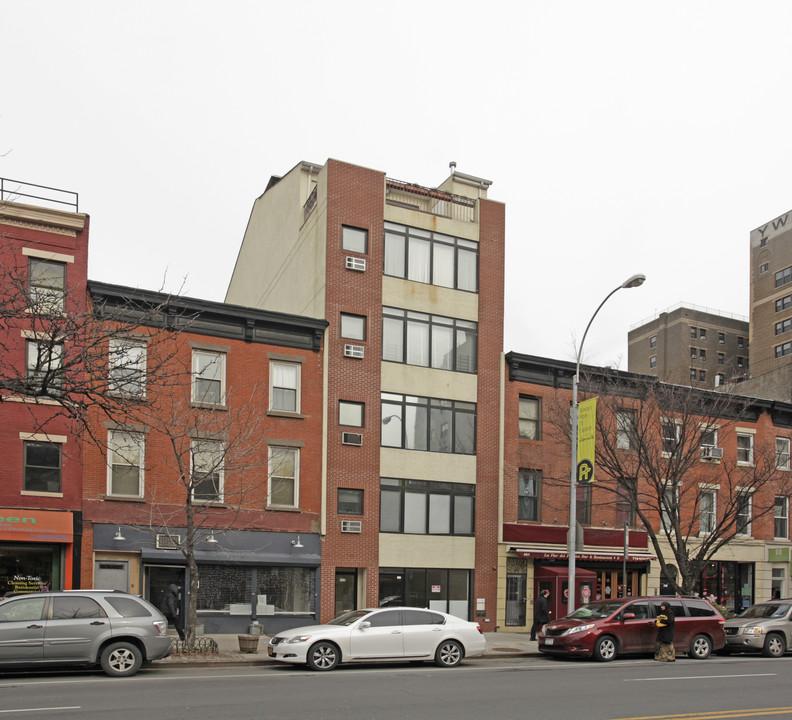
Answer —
630 282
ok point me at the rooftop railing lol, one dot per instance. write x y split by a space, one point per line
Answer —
23 192
429 200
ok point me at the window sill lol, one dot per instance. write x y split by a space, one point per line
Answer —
284 508
285 414
38 493
122 498
208 406
209 503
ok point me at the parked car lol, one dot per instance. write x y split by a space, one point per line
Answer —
380 634
765 627
112 629
608 628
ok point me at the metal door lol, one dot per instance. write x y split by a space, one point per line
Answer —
515 599
112 575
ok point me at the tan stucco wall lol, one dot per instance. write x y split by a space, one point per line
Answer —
427 551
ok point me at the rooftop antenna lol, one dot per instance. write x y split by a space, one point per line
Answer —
452 167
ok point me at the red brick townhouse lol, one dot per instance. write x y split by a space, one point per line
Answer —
410 279
739 467
216 454
43 265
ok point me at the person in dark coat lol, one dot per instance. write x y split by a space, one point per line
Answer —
664 646
541 612
172 608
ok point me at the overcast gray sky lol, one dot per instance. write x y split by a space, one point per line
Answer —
623 137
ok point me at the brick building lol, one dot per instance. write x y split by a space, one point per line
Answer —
410 280
228 424
533 548
44 244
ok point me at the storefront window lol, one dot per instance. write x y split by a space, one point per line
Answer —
29 568
289 589
438 589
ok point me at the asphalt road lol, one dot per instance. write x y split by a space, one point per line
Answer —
524 688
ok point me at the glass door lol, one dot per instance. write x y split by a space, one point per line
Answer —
345 591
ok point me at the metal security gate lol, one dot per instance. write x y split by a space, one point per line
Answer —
515 599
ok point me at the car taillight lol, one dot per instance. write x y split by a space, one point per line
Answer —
478 627
162 626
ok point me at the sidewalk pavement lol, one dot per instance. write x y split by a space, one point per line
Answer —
499 645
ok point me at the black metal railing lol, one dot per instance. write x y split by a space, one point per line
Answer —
200 646
19 191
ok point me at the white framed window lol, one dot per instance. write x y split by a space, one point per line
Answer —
744 513
284 476
669 508
125 455
782 453
781 518
44 365
745 448
625 429
670 435
707 508
208 476
530 418
285 381
653 362
208 377
128 367
46 285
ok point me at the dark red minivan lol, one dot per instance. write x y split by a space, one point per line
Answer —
607 628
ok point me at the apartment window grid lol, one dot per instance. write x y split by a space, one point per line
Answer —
740 342
693 374
208 476
783 277
763 268
693 333
721 338
653 362
720 379
702 375
354 239
284 477
653 342
349 501
702 355
745 448
126 468
783 350
709 438
721 358
782 448
128 367
353 327
707 517
44 365
625 429
740 362
46 286
411 422
694 353
781 518
529 489
702 333
351 414
783 303
420 507
42 467
208 374
744 514
670 435
285 380
783 326
530 418
416 338
430 257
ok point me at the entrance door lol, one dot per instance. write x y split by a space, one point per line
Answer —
158 579
515 599
345 591
112 575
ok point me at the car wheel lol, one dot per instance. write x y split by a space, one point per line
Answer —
774 646
605 649
449 654
121 659
700 648
323 656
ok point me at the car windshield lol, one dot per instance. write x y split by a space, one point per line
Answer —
596 610
765 611
349 617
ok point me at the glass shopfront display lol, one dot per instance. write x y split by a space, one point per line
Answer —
730 583
30 567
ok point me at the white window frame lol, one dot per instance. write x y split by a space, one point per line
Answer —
274 450
121 349
777 517
49 299
665 524
274 366
667 422
140 439
746 532
625 428
33 353
711 514
198 448
523 404
742 433
782 455
218 373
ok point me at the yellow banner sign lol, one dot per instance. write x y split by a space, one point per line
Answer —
586 440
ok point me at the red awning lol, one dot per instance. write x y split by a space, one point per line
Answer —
584 556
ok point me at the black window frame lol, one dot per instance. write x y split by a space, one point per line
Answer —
357 403
429 488
42 303
529 506
356 230
27 486
350 506
354 316
537 422
783 277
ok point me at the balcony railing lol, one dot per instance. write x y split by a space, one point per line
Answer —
429 200
310 203
18 191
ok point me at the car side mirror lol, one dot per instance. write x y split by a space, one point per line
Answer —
365 624
628 616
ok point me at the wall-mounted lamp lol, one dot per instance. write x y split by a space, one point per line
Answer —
118 536
297 543
211 538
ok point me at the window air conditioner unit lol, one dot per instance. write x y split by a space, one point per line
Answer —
354 351
351 526
168 542
353 263
711 453
351 438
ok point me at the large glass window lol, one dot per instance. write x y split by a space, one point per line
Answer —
125 456
128 367
46 285
419 423
420 507
284 470
285 386
529 485
42 467
29 568
417 338
431 257
209 377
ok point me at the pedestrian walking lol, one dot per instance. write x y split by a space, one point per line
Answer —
664 646
541 612
172 608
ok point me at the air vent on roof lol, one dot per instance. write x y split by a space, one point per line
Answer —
354 263
351 526
354 351
168 542
351 438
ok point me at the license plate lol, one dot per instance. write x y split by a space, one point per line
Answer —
269 651
548 641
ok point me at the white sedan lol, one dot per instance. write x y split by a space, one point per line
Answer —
380 634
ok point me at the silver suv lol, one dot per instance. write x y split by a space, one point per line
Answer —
766 627
112 629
